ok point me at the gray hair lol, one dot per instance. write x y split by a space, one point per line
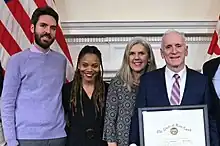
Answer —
125 72
172 31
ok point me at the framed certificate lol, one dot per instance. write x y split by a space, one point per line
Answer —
174 126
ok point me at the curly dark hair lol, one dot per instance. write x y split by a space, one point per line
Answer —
44 11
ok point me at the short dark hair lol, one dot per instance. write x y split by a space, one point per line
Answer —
44 11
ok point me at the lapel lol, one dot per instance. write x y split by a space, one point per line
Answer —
163 88
214 67
211 73
189 83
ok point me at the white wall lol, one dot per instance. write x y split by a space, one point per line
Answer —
112 37
92 21
92 10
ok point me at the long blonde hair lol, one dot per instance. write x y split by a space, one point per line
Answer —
125 72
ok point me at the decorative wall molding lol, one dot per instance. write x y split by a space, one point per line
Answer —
112 36
135 27
117 39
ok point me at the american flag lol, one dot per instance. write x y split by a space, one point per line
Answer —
15 34
214 46
213 51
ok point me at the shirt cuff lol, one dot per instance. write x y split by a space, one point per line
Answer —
12 143
133 144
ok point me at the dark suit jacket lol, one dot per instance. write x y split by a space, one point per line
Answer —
153 93
209 69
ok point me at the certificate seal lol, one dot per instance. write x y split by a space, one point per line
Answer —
174 131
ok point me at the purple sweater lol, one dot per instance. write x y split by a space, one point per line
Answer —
31 98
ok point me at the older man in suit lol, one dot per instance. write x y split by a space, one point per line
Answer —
174 84
211 69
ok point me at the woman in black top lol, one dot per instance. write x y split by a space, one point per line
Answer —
84 100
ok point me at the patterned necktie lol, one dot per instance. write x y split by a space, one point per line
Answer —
175 92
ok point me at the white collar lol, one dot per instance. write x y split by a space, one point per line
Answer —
171 73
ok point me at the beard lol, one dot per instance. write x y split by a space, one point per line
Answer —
45 44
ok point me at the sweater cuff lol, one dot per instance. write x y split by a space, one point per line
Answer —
12 143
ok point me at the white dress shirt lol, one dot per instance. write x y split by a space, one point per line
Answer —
216 81
169 79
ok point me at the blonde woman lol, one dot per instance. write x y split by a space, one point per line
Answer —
120 102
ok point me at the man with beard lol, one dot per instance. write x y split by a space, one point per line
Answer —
32 111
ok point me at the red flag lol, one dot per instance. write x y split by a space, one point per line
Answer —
15 32
214 47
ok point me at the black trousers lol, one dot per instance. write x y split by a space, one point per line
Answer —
47 142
